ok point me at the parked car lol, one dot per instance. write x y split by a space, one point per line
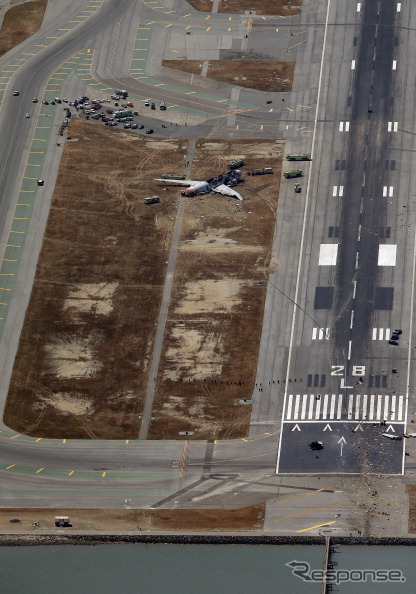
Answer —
34 100
40 182
109 110
149 131
134 126
16 93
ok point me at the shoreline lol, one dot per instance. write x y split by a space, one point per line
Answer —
193 539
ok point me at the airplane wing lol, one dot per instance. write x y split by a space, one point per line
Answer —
226 191
179 182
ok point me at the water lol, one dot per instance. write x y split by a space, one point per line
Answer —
186 569
154 569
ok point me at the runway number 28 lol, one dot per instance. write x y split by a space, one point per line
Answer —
357 370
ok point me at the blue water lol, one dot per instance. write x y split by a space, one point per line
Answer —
154 569
196 569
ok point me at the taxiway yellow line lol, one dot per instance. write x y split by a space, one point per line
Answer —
317 526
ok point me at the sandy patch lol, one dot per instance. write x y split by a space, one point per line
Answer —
71 358
208 296
69 403
244 150
91 298
214 240
197 354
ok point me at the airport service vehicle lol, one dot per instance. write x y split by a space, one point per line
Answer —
153 106
147 102
16 93
40 182
27 116
294 173
34 100
152 200
172 176
122 93
298 189
123 113
298 157
235 163
162 106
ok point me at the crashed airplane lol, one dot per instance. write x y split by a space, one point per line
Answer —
222 184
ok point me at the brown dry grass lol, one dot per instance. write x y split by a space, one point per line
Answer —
264 75
83 357
274 7
212 337
191 66
20 23
244 518
411 491
202 5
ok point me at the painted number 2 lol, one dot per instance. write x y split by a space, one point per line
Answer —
357 370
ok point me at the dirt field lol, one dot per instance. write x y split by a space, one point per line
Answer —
277 7
245 518
83 358
212 337
269 75
202 5
20 23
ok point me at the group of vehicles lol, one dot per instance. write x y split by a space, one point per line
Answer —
93 109
395 336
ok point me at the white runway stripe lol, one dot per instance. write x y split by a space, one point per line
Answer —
381 334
